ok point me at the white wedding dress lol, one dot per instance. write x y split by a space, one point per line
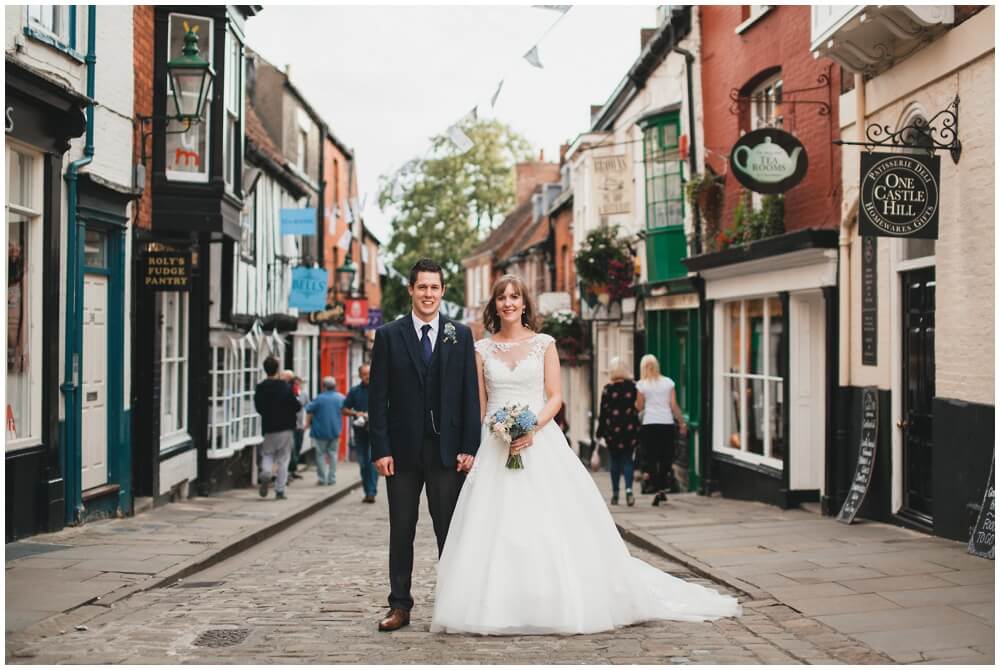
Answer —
536 551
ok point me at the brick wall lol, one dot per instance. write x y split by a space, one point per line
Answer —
562 225
142 60
529 174
730 60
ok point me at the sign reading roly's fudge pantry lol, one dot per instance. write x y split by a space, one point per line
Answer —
900 195
768 160
167 270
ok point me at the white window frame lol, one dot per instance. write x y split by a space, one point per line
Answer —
173 303
757 12
36 278
233 105
234 422
207 51
764 98
59 29
723 383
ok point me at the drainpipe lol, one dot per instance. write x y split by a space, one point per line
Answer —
693 156
72 436
844 242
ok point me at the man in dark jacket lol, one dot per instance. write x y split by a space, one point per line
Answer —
277 406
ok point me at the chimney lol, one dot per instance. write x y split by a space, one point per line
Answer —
645 34
288 71
563 150
541 155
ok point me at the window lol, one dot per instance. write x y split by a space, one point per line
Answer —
173 368
304 347
752 382
24 299
57 22
187 153
234 422
765 104
248 228
232 135
664 178
750 14
301 150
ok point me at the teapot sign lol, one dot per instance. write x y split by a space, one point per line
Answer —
768 160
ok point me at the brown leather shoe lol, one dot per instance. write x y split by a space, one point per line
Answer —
397 619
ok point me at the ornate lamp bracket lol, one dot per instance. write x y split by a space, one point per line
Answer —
931 137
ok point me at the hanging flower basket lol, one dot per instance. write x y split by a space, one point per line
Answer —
605 267
571 339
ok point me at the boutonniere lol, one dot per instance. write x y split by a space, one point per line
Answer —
450 336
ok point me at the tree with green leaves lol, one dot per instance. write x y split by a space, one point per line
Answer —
446 202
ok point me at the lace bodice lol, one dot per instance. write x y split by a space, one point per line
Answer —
514 371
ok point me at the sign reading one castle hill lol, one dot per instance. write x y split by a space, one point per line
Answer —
900 195
167 270
768 160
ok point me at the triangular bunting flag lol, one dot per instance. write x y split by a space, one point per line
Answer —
460 139
532 57
493 100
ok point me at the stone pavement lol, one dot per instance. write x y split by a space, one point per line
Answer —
314 593
913 597
76 573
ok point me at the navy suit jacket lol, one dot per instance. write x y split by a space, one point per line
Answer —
395 394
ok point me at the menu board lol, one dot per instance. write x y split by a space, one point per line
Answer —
982 540
866 456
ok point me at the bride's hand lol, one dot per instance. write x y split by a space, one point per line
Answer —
522 442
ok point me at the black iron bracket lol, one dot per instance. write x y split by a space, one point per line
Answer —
146 130
740 103
928 136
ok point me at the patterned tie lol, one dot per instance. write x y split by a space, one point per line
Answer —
425 343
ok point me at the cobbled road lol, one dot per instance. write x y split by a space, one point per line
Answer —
314 594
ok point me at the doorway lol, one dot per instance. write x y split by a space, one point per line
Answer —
917 422
94 463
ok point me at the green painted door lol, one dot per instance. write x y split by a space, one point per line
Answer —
673 336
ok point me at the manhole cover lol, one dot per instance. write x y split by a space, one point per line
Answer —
221 637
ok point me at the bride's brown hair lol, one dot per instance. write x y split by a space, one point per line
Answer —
491 317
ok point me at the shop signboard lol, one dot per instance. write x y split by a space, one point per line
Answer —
768 160
900 195
301 221
166 270
983 538
613 180
869 301
308 292
356 312
866 457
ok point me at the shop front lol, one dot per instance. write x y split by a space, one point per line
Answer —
41 117
770 370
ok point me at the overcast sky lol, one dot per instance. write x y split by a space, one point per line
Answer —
388 78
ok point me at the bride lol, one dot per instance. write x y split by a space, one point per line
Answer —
536 551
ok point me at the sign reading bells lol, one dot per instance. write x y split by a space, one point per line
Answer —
900 195
768 160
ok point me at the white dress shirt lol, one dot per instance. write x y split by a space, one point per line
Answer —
418 325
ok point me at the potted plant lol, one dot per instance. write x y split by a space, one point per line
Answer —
707 192
567 329
604 266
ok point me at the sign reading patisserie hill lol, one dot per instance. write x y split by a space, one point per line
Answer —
900 195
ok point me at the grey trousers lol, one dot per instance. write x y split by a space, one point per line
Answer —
276 449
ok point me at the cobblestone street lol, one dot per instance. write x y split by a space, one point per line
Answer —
314 594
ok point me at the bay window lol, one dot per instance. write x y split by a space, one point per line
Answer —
24 298
187 153
664 178
751 380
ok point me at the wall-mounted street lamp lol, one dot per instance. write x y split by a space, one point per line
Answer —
345 276
191 78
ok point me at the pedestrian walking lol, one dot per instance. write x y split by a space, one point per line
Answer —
356 407
277 406
661 419
324 419
300 422
618 426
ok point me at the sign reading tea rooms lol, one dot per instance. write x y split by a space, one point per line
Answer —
900 195
768 160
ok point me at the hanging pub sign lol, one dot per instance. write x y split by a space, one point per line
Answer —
166 270
308 292
900 195
768 160
300 221
356 312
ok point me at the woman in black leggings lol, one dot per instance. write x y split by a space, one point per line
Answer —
660 421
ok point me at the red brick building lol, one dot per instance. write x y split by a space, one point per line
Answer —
769 291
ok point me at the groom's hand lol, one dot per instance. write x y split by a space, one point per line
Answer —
465 462
385 466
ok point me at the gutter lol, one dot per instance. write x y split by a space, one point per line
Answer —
73 342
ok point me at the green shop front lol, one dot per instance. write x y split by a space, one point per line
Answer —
668 303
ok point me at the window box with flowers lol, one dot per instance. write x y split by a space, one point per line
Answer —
571 339
749 224
605 267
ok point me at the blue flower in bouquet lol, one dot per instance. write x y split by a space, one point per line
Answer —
525 421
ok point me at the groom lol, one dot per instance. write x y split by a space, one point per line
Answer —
424 414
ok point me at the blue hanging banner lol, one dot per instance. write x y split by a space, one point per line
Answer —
308 292
298 221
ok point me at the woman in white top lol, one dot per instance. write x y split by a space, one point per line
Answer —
660 420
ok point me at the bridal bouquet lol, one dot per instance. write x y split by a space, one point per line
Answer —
509 423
